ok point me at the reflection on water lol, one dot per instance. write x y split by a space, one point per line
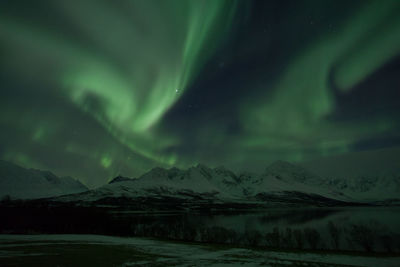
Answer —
320 228
350 228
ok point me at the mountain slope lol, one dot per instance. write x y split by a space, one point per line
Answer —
369 188
292 173
280 181
194 182
284 176
21 183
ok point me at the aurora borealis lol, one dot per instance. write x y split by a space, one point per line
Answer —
94 89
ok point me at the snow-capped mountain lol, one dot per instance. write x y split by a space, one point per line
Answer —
195 181
280 180
369 188
361 188
285 176
21 183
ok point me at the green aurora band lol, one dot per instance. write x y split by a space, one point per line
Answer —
113 71
303 97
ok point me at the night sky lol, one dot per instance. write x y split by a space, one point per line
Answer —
97 88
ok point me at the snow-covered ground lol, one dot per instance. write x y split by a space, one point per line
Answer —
95 250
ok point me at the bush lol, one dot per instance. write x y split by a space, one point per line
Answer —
334 232
298 238
253 238
287 240
217 234
387 243
274 238
313 237
363 236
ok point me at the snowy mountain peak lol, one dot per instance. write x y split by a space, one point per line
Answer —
280 180
120 178
161 173
202 170
221 170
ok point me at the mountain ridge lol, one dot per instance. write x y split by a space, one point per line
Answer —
279 180
278 177
22 183
219 182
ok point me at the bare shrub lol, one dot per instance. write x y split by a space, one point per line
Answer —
217 234
313 237
363 236
253 237
287 240
274 238
388 243
334 232
298 238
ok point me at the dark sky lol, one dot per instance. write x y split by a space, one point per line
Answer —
97 88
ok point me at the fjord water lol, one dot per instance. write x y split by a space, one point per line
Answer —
353 228
368 229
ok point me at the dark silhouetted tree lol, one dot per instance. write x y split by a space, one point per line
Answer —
387 243
287 240
313 237
363 236
334 232
274 238
253 237
298 238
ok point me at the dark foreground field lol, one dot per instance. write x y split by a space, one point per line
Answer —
95 250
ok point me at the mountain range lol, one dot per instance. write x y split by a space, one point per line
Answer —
281 182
